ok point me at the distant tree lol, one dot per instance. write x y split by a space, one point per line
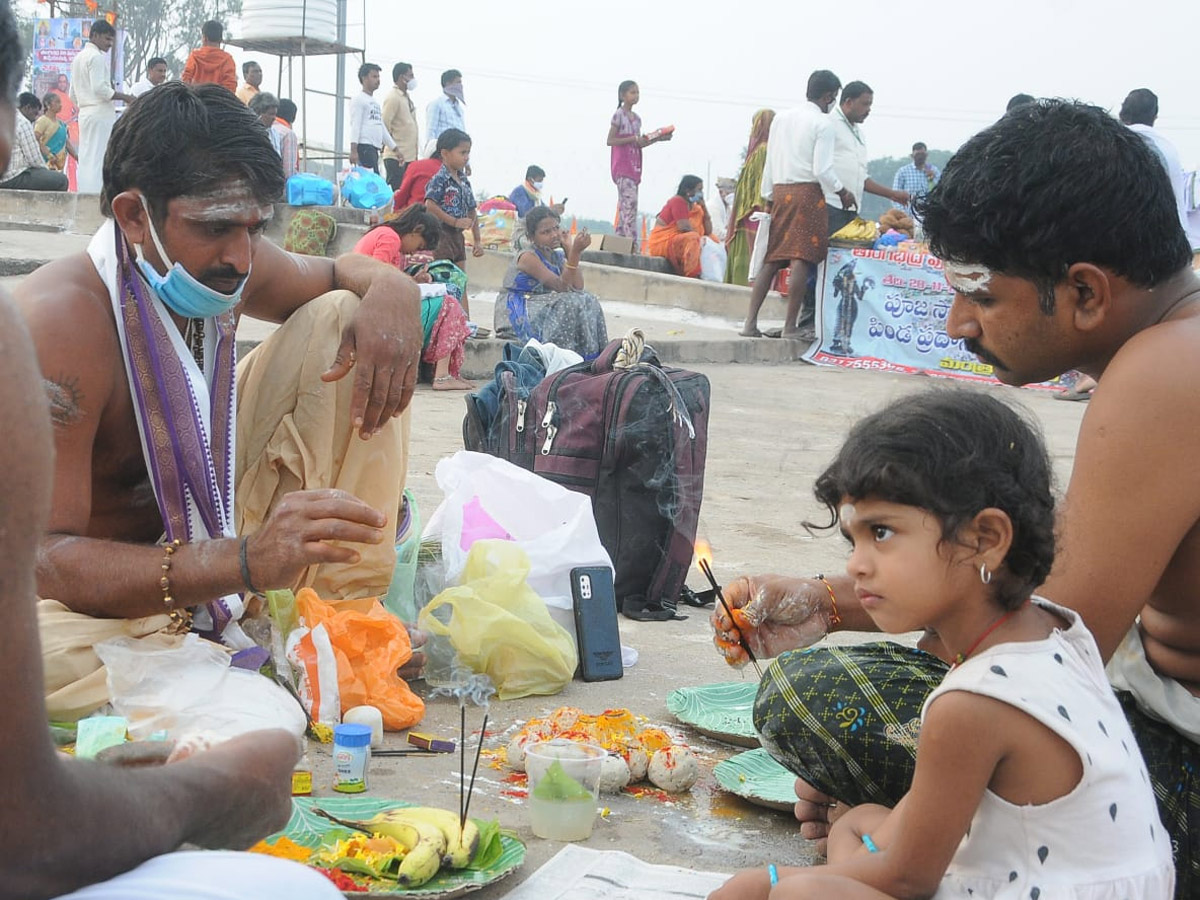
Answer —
884 171
166 28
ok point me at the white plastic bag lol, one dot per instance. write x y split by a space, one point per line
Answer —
712 260
487 497
759 254
190 690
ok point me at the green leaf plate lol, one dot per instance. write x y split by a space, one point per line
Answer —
724 711
307 828
756 777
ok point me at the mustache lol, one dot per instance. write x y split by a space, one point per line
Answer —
973 346
220 273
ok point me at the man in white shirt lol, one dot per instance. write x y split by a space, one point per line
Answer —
93 93
850 157
367 134
156 74
400 121
1139 112
797 174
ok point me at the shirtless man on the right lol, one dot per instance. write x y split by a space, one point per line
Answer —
1061 241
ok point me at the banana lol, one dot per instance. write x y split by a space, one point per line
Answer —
422 861
461 843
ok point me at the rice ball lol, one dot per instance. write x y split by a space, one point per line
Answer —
614 774
516 752
674 769
637 760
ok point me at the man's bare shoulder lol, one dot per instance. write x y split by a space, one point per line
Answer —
1160 363
67 300
67 310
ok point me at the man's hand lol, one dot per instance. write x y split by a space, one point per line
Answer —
778 613
382 344
476 250
423 276
416 663
353 155
849 201
463 222
256 768
902 197
299 531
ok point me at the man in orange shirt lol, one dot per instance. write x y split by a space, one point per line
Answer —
209 63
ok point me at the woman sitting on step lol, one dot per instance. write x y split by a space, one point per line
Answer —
543 296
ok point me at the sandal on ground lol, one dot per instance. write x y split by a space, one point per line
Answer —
750 334
450 383
773 333
1072 394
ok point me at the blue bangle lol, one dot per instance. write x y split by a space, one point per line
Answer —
773 873
869 844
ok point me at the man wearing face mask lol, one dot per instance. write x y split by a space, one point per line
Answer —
400 120
447 110
528 194
135 339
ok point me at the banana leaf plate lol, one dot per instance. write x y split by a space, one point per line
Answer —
307 828
724 711
756 777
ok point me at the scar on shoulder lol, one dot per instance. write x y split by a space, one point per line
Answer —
65 400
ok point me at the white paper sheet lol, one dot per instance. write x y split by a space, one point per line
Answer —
577 873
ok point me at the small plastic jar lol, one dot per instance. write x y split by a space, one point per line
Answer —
351 752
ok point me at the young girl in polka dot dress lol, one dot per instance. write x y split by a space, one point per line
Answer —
1028 782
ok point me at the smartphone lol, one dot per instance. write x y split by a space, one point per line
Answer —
596 623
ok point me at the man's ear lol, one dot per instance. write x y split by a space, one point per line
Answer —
1089 293
131 217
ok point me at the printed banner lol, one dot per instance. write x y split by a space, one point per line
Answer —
886 310
56 43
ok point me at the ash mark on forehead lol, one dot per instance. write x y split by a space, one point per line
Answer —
229 201
967 278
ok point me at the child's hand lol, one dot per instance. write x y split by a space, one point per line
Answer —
423 276
749 884
477 250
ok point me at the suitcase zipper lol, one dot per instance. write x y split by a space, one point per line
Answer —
521 415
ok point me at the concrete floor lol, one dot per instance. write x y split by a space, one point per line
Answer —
772 429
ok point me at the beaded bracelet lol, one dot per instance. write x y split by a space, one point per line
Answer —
834 616
245 564
165 581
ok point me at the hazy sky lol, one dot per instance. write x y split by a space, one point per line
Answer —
541 78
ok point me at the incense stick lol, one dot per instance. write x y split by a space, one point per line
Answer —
462 767
474 769
708 573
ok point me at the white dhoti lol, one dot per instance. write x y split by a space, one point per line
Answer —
1162 698
95 127
214 875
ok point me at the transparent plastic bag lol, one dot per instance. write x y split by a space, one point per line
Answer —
190 690
500 627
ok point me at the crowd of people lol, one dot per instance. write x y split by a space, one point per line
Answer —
1045 741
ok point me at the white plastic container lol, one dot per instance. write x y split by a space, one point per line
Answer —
267 19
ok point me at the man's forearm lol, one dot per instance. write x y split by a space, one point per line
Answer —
114 580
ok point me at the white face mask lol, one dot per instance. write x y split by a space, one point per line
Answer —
412 84
537 185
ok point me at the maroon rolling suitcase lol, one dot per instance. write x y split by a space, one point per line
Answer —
632 438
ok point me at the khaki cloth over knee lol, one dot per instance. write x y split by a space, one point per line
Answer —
294 433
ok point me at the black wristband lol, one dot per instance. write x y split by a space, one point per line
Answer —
245 564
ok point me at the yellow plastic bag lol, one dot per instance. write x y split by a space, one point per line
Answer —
500 627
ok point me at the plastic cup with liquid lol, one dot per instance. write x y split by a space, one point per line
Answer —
564 782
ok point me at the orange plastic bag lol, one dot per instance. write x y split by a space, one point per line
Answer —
370 645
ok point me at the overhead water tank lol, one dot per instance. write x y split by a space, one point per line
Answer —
273 19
